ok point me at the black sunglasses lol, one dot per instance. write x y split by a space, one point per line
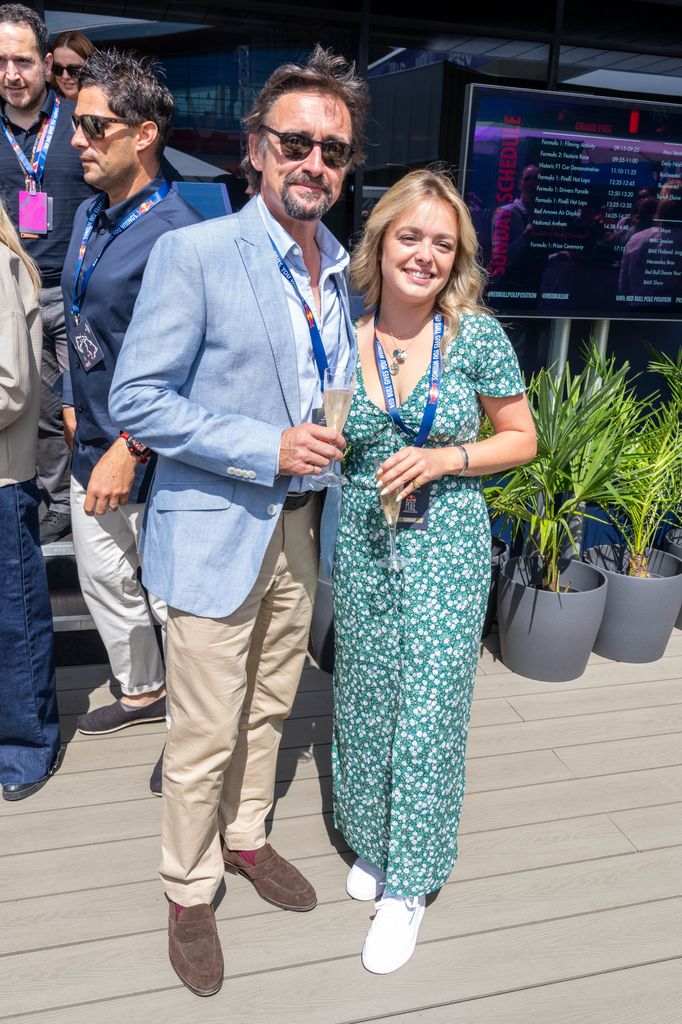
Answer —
72 70
298 145
93 125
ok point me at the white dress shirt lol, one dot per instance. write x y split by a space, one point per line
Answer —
331 321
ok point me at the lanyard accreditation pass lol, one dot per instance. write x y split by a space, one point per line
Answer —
420 436
78 294
315 337
34 204
81 335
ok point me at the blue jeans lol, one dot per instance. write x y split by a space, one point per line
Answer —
29 721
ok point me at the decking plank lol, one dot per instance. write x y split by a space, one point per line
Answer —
338 990
599 699
636 995
566 783
578 729
497 852
461 907
651 827
622 755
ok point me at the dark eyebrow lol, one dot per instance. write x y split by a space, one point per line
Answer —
418 231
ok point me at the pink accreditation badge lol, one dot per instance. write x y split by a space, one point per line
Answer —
32 214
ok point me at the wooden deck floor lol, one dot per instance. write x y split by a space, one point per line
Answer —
565 906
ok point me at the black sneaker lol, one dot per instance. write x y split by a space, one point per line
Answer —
54 525
114 717
156 778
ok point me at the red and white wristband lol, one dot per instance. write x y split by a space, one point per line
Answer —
138 450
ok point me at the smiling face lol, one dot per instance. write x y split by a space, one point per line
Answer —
300 190
22 70
418 252
64 57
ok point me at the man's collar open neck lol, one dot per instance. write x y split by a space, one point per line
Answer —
26 117
120 192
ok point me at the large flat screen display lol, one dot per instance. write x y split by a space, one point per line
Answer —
577 201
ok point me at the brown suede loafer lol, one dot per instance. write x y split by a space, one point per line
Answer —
274 878
194 948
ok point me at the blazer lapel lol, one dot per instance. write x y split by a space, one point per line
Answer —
266 283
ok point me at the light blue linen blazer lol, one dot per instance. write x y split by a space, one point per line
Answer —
207 377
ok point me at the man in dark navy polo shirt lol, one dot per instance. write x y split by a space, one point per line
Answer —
122 120
40 171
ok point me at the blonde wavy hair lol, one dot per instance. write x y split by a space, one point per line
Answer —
10 238
462 293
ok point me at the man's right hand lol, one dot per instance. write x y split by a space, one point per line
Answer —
308 448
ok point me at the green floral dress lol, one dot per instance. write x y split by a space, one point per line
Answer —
407 643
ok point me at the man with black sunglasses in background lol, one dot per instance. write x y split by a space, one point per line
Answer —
120 126
41 181
251 309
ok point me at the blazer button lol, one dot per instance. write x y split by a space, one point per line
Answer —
231 470
271 510
252 474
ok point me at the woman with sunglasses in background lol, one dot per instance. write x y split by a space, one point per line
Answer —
431 359
29 725
70 52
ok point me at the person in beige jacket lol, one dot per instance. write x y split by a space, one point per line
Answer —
30 749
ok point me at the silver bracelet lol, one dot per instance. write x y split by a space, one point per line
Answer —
465 459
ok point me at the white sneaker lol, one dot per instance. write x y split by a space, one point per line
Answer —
392 937
365 882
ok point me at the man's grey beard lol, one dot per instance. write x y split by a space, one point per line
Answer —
295 209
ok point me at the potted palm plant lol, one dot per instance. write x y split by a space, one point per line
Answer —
549 608
645 582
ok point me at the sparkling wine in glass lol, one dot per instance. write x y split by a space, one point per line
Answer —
339 387
390 506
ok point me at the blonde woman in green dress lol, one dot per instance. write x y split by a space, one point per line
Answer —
407 639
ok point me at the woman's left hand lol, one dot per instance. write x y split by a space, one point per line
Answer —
411 467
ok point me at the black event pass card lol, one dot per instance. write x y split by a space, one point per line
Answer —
414 510
85 343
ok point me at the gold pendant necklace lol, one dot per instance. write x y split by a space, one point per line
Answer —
399 354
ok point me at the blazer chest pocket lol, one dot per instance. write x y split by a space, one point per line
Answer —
179 495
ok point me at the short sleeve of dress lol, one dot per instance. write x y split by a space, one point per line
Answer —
488 357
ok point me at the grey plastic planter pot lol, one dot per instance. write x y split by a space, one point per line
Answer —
500 554
673 545
544 635
639 614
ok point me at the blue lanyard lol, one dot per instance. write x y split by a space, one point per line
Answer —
77 295
420 436
315 337
36 166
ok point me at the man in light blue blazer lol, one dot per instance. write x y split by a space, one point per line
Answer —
220 374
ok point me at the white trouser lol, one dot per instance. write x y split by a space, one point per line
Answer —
107 554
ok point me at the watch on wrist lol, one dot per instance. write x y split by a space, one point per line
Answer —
138 450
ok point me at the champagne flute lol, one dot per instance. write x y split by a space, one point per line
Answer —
339 387
390 506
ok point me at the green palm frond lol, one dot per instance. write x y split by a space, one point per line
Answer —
580 420
671 371
648 483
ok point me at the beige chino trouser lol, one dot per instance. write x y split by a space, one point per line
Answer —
231 683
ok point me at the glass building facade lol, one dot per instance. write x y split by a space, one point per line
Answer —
218 54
